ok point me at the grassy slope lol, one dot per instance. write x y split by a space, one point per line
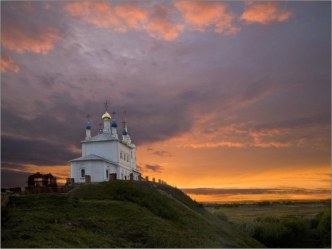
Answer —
117 214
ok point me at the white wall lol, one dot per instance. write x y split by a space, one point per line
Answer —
95 169
107 149
129 161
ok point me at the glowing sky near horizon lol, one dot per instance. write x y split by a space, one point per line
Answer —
218 94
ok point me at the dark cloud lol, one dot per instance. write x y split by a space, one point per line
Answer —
154 168
318 120
12 166
33 151
162 153
11 179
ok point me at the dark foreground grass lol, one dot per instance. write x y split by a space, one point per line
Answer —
116 214
293 232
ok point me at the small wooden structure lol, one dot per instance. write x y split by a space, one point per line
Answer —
40 180
42 183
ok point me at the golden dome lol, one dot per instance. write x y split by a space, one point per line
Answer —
106 116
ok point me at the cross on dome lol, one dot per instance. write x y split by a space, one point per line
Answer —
106 115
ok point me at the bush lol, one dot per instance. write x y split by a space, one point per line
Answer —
291 232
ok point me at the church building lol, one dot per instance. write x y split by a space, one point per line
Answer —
106 154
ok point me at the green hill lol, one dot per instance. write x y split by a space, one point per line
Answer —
115 214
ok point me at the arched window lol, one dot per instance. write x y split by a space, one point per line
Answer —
82 172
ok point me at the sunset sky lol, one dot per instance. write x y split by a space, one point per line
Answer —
223 99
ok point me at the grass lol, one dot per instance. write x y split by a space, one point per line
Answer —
115 214
281 225
240 212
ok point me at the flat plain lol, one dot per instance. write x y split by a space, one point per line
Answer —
291 209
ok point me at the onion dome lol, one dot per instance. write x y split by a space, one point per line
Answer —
88 126
124 133
106 116
114 124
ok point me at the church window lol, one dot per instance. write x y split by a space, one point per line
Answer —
107 173
121 155
82 172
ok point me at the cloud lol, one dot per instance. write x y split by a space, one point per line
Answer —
293 132
162 153
7 64
96 13
214 132
154 168
252 94
203 15
13 166
264 13
155 21
158 20
132 15
16 150
26 6
19 39
317 120
161 27
11 179
270 138
217 144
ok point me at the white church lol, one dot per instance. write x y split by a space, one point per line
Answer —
106 155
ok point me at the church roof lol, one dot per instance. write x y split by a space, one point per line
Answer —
92 157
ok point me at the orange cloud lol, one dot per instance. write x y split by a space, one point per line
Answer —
160 25
18 40
267 138
102 15
202 15
161 29
97 13
217 144
7 64
155 22
131 15
264 13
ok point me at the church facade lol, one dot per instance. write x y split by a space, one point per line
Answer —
106 154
